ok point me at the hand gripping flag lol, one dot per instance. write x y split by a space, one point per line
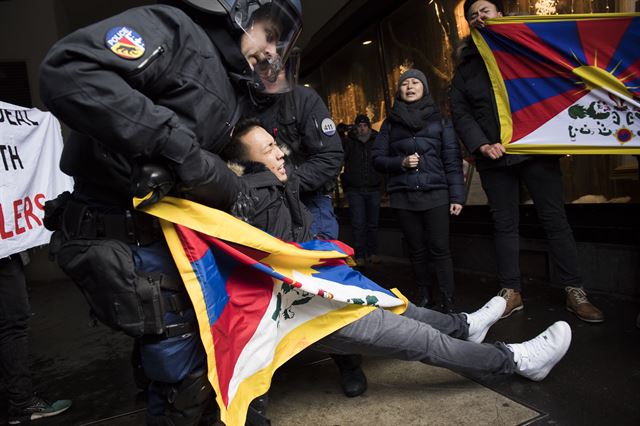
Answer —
259 300
565 84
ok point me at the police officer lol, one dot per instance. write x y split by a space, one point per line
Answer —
155 83
301 123
302 126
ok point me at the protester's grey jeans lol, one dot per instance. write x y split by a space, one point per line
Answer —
420 334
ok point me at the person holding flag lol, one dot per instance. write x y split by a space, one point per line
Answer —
475 118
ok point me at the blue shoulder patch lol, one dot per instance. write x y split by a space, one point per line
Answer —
125 42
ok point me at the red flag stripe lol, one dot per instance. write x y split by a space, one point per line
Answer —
515 66
193 245
600 39
528 119
524 36
249 294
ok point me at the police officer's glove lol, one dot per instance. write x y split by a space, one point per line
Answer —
194 170
151 182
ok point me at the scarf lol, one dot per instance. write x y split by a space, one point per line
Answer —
416 114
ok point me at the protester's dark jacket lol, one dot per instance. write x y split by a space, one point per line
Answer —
474 110
440 165
359 174
176 98
295 120
254 194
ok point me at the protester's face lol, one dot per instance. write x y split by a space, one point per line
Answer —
411 90
258 43
363 129
262 148
480 11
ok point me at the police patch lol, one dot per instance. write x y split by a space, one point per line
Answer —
328 127
125 42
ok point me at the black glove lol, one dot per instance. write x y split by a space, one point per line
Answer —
151 178
194 169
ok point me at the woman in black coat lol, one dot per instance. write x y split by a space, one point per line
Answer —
419 152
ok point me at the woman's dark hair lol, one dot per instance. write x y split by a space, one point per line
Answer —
236 151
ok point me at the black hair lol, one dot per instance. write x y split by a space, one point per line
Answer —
236 150
469 3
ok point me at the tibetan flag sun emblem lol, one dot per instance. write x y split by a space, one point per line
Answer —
125 42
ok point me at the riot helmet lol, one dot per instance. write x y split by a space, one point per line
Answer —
287 77
269 27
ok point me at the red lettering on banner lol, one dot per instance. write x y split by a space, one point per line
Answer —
28 216
3 232
38 199
28 213
16 216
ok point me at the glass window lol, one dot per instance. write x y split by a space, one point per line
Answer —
417 35
351 81
424 35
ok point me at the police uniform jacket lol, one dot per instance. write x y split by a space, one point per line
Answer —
301 122
268 204
252 193
440 165
474 110
147 84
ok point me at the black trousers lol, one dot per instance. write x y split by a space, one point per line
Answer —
14 316
543 179
427 234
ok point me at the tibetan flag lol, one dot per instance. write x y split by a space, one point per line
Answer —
565 84
260 300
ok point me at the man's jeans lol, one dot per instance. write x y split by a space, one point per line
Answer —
543 179
14 315
420 334
325 224
364 211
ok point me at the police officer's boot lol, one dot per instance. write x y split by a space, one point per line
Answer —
425 296
352 378
189 399
257 413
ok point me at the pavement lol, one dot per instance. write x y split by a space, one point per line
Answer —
598 381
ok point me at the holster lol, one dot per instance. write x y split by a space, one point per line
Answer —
118 297
92 248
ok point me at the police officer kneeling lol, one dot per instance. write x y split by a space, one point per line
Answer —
156 83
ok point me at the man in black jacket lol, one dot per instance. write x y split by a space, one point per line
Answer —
160 84
475 118
361 183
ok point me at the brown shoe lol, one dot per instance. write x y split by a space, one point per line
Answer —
514 301
578 303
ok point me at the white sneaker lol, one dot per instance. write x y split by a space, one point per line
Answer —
535 358
481 320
